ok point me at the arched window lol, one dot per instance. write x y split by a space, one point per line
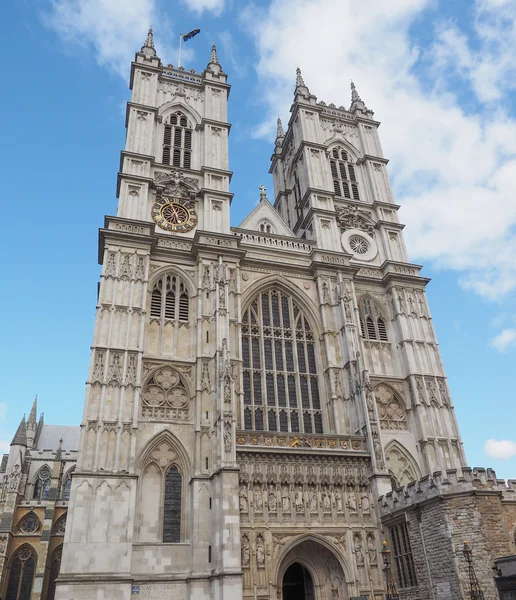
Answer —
169 299
21 575
67 486
54 568
343 174
172 506
281 391
177 141
266 227
372 323
42 484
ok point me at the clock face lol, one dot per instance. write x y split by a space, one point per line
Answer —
174 214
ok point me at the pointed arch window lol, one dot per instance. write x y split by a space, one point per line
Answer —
21 574
169 300
42 484
345 182
67 486
172 506
177 141
266 227
372 322
54 568
281 390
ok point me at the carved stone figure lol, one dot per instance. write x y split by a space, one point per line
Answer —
227 389
352 503
326 500
260 551
257 498
372 550
300 505
244 506
313 499
227 436
338 500
359 551
285 499
366 505
14 480
245 550
271 498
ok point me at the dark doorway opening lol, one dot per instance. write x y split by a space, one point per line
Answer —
297 583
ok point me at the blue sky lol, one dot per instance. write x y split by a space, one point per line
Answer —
439 75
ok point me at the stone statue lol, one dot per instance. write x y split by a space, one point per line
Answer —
372 550
352 503
338 500
366 505
257 498
359 551
260 551
313 500
243 499
285 499
245 551
300 505
271 498
326 500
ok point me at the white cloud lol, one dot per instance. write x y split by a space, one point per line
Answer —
500 449
5 446
506 338
453 170
199 6
113 29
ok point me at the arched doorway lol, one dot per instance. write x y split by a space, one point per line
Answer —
297 583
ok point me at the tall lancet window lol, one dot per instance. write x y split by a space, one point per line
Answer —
172 506
21 574
281 391
177 141
343 174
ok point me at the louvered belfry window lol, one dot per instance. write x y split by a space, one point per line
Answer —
343 174
281 391
177 142
372 322
169 299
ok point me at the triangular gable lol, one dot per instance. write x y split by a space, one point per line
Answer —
265 213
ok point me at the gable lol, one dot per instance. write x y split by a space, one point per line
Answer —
265 214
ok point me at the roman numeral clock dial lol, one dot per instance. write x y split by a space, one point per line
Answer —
174 214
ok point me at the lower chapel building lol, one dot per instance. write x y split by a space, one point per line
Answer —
265 403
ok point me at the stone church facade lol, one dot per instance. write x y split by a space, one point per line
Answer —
254 392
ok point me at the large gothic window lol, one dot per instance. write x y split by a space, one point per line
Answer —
281 391
372 322
172 506
55 567
343 174
42 484
21 575
177 141
169 300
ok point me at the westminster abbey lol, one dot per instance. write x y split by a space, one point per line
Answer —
265 403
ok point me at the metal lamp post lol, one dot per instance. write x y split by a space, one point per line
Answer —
392 590
475 592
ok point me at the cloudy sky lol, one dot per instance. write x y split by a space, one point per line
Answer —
439 75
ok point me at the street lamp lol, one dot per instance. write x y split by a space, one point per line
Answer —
392 591
475 591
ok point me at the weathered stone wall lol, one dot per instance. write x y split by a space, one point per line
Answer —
442 512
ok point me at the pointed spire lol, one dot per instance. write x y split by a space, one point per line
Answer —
356 101
279 129
149 42
20 437
214 59
32 420
354 94
299 78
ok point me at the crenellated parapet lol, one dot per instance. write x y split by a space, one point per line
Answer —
446 483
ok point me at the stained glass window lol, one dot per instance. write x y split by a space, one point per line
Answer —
280 371
42 485
21 575
55 567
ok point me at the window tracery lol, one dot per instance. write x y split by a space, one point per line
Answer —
281 391
343 174
21 574
165 396
372 321
42 484
391 410
169 300
67 486
55 567
177 141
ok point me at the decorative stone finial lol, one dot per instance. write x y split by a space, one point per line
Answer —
279 129
356 101
149 42
263 195
299 78
214 59
354 94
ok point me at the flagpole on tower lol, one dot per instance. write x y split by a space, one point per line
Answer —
180 48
